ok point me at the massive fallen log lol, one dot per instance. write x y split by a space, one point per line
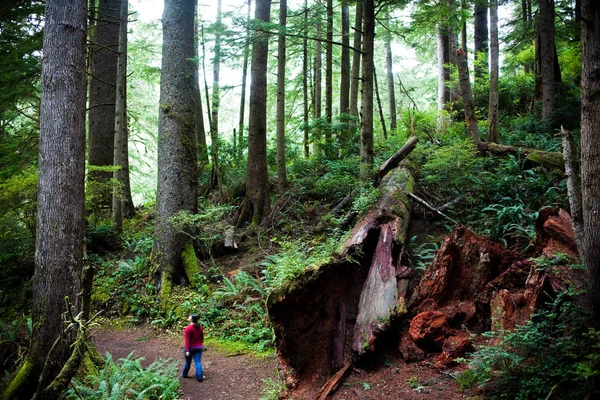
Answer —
367 293
548 159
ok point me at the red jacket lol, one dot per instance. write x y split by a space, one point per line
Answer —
194 336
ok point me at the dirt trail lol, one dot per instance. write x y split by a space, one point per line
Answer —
226 377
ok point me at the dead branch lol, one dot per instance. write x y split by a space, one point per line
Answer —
430 207
394 160
332 384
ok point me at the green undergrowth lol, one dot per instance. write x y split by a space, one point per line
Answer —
126 378
234 348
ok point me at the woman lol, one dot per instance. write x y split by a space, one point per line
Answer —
194 337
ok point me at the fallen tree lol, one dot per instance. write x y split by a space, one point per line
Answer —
547 159
333 316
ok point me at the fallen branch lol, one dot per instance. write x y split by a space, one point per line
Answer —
429 207
449 204
332 384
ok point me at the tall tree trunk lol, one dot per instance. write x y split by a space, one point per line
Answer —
390 81
318 67
103 66
200 129
281 172
203 45
120 123
379 107
571 159
356 56
481 39
244 76
493 134
177 146
467 95
305 81
216 100
329 71
547 54
318 64
443 55
526 17
256 204
590 146
345 61
60 228
366 125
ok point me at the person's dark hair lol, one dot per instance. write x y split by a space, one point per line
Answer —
195 318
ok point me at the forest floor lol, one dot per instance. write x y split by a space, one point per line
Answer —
227 376
242 376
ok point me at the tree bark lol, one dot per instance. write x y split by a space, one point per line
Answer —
318 65
101 124
256 204
573 187
467 95
244 78
356 56
200 128
216 100
390 81
60 229
590 147
443 55
379 106
345 61
547 53
305 83
493 134
120 123
366 124
329 72
281 165
380 298
481 39
177 146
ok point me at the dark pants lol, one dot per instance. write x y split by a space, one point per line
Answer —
196 354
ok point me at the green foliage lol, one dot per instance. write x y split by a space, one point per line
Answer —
273 389
296 257
366 197
325 180
452 168
121 288
554 351
422 255
510 224
240 288
14 340
206 226
17 239
128 379
98 193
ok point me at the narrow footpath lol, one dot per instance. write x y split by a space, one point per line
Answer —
226 376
